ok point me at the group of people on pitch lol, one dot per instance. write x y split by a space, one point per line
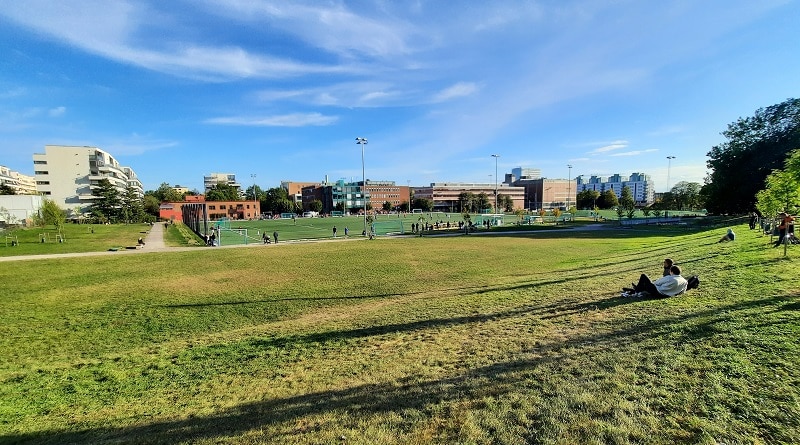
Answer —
670 284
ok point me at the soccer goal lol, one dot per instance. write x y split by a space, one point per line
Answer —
390 227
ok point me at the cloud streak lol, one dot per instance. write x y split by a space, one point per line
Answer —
287 120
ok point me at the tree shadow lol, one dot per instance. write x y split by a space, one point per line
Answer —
412 392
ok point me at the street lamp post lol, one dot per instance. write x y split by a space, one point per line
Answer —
408 181
362 142
669 165
495 182
255 198
569 184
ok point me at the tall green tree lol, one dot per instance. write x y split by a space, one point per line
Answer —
6 189
277 200
423 203
482 202
107 201
466 201
587 199
626 201
223 192
166 193
755 146
608 199
51 214
132 209
686 196
505 202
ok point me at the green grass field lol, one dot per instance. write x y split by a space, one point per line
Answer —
75 238
504 339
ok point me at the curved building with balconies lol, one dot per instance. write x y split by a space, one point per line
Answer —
68 174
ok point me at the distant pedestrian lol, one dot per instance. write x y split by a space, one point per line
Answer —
334 231
346 231
275 236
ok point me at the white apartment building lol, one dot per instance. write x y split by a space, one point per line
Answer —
68 174
226 178
641 186
21 184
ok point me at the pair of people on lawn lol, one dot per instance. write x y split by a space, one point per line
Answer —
669 285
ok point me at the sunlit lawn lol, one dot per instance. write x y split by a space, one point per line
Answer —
484 340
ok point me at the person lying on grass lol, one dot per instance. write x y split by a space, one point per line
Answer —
664 287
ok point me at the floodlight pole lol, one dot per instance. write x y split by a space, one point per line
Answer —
495 182
569 185
255 198
669 165
362 142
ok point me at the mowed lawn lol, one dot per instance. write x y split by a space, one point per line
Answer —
465 340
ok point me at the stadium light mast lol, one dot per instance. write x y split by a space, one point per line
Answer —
495 182
255 197
569 184
362 142
669 165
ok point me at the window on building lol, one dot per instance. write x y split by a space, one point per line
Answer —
42 182
41 172
222 207
40 162
212 207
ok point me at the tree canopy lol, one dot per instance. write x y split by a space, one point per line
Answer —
223 192
782 191
6 189
755 146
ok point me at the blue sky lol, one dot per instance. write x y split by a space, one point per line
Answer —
281 89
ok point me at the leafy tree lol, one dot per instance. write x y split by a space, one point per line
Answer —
165 193
630 212
587 199
686 195
151 205
387 205
107 203
505 203
223 192
620 211
423 203
276 200
315 206
782 191
6 189
132 207
482 202
466 201
626 199
52 214
755 146
607 200
646 212
254 192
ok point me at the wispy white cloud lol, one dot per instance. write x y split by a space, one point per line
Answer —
460 89
634 152
134 144
14 92
57 111
114 29
286 120
616 145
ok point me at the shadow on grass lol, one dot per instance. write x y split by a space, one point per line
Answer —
414 393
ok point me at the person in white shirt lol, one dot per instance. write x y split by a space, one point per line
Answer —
668 286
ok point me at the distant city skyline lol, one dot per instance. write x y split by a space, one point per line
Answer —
281 90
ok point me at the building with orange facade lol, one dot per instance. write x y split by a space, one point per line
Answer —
236 210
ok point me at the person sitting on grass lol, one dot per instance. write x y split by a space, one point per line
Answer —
730 236
669 286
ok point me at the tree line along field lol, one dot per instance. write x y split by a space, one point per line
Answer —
509 339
